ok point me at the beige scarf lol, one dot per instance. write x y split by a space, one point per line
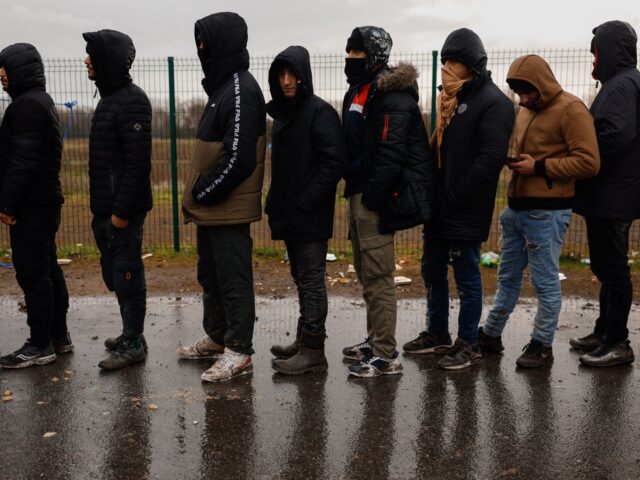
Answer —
454 76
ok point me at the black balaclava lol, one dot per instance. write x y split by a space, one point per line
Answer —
376 43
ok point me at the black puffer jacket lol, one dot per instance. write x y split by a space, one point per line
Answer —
615 192
308 156
474 147
395 153
120 139
30 138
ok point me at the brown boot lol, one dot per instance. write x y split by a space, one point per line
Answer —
309 357
285 351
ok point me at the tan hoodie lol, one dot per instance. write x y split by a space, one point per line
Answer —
560 135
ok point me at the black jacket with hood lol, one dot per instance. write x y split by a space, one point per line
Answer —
395 150
615 192
120 139
224 180
307 158
30 138
474 147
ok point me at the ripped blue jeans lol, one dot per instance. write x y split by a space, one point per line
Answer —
534 238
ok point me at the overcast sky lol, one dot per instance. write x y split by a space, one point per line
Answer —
160 27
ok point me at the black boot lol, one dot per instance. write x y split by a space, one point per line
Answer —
309 357
285 351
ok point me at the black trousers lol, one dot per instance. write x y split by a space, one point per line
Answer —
33 246
123 269
307 261
608 249
225 272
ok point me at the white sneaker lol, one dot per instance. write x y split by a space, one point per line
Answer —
230 365
203 348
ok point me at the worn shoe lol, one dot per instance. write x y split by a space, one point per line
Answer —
28 355
372 366
609 355
489 344
129 352
588 343
428 343
203 348
62 344
306 360
461 355
535 355
230 365
285 351
358 351
113 343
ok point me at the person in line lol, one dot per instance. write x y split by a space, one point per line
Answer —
30 203
120 186
223 193
610 201
474 123
554 144
307 162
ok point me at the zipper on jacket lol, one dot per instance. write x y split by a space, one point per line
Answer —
385 130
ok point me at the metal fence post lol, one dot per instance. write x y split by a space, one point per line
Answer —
174 156
434 89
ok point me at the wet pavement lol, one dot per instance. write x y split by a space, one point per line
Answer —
159 421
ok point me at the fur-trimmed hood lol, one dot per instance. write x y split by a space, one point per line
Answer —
400 78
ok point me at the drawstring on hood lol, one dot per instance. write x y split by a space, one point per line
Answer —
24 68
112 53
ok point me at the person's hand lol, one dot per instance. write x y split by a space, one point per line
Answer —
7 219
119 222
526 166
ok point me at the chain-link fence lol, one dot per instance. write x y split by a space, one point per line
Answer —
173 85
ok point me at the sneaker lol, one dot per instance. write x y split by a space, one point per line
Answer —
488 344
62 344
609 355
358 351
428 343
129 352
535 355
113 343
588 343
28 355
203 348
230 365
372 366
461 355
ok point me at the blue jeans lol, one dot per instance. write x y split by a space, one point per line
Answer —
465 257
534 238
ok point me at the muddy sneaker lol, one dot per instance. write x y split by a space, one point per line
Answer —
62 344
488 344
358 351
113 343
203 348
461 355
609 355
372 366
588 343
535 355
285 351
428 343
230 365
28 355
129 352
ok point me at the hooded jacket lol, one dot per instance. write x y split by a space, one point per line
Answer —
395 150
559 135
307 157
224 179
120 138
474 147
615 192
30 137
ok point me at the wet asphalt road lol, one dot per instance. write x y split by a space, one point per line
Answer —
490 421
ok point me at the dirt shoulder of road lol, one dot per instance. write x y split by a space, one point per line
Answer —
176 275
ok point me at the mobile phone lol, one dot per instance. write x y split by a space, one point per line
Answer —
512 160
